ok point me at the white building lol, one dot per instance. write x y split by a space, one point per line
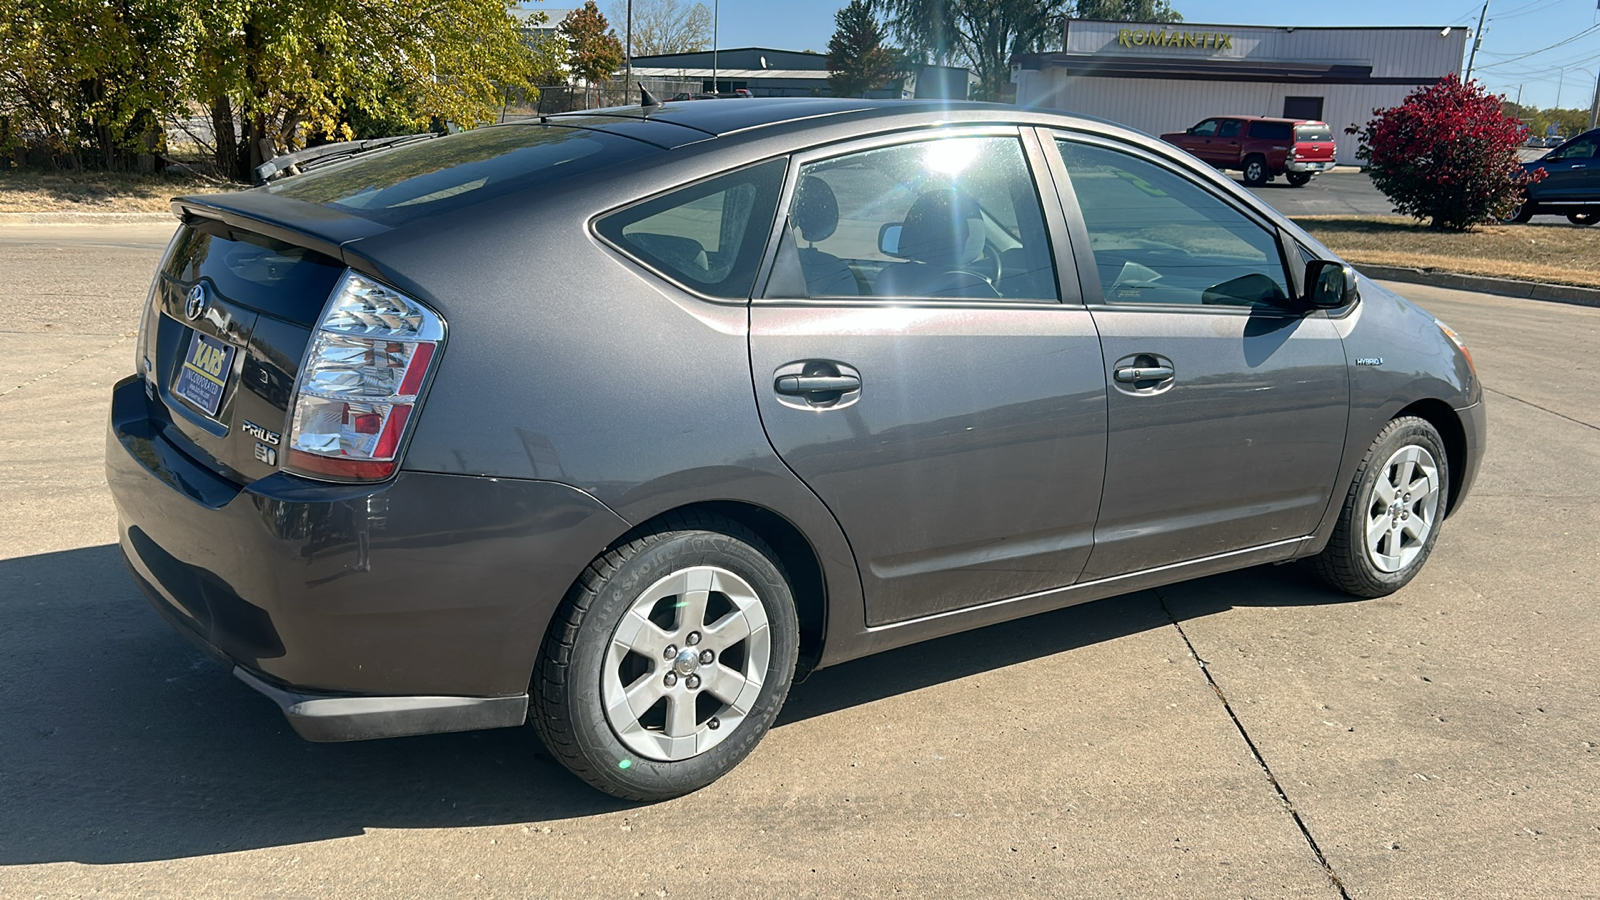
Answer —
1163 78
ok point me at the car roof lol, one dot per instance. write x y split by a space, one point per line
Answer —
1271 119
720 119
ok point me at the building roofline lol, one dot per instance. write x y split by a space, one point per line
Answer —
1194 25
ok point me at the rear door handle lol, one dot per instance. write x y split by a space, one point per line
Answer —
1131 374
801 385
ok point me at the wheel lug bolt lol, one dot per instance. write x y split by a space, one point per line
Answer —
715 723
693 638
706 656
693 682
671 679
670 652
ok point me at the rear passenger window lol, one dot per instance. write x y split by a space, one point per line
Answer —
707 236
1271 131
1158 237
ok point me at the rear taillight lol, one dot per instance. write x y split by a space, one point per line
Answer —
355 396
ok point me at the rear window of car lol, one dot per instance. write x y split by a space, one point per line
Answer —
1313 133
393 187
706 236
1270 131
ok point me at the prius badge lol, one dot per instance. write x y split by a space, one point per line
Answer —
195 304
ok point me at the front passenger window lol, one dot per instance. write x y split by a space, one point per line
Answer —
1158 237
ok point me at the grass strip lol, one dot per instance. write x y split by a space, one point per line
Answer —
1548 249
28 191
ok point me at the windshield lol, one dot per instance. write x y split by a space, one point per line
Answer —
1312 133
396 186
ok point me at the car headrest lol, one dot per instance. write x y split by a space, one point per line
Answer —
816 210
942 228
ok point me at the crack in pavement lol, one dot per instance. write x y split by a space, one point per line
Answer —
1305 831
63 367
1552 412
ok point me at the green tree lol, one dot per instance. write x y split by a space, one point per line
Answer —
857 60
593 50
666 26
91 79
1568 122
984 34
1126 10
277 75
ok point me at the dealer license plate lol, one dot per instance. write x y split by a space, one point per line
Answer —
205 372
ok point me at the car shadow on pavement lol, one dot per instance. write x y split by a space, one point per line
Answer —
120 742
1009 643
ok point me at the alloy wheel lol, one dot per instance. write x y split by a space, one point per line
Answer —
686 663
1402 508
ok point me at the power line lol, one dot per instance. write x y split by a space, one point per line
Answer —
1560 43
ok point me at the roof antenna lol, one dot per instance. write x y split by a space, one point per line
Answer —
647 99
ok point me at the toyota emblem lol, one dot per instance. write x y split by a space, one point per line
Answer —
194 305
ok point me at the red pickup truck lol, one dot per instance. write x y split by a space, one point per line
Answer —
1261 148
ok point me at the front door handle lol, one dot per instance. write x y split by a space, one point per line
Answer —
1131 374
801 385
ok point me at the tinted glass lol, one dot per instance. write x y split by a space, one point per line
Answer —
1582 148
707 236
1270 131
1230 128
1205 129
395 186
954 217
1160 238
1313 133
264 274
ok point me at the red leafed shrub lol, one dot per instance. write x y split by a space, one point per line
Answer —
1447 154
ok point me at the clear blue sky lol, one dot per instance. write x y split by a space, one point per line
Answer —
1515 27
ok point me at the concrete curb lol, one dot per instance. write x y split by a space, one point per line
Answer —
83 218
1505 287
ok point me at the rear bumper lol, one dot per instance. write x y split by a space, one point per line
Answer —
407 602
1298 165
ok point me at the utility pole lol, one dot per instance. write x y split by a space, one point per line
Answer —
1594 108
716 14
1477 41
627 83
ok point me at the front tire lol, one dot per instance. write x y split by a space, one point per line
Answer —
1583 218
1391 514
668 660
1255 171
1521 214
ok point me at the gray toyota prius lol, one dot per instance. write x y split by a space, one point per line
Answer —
617 422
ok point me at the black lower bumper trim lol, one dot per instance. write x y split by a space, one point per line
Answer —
325 718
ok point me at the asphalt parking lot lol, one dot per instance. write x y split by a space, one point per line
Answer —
1333 194
1249 735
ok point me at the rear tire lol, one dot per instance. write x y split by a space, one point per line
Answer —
1299 179
1391 514
1583 218
668 660
1255 171
1520 214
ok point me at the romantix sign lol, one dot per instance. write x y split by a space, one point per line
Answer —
1208 40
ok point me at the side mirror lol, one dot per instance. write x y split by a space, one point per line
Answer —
1330 284
889 239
